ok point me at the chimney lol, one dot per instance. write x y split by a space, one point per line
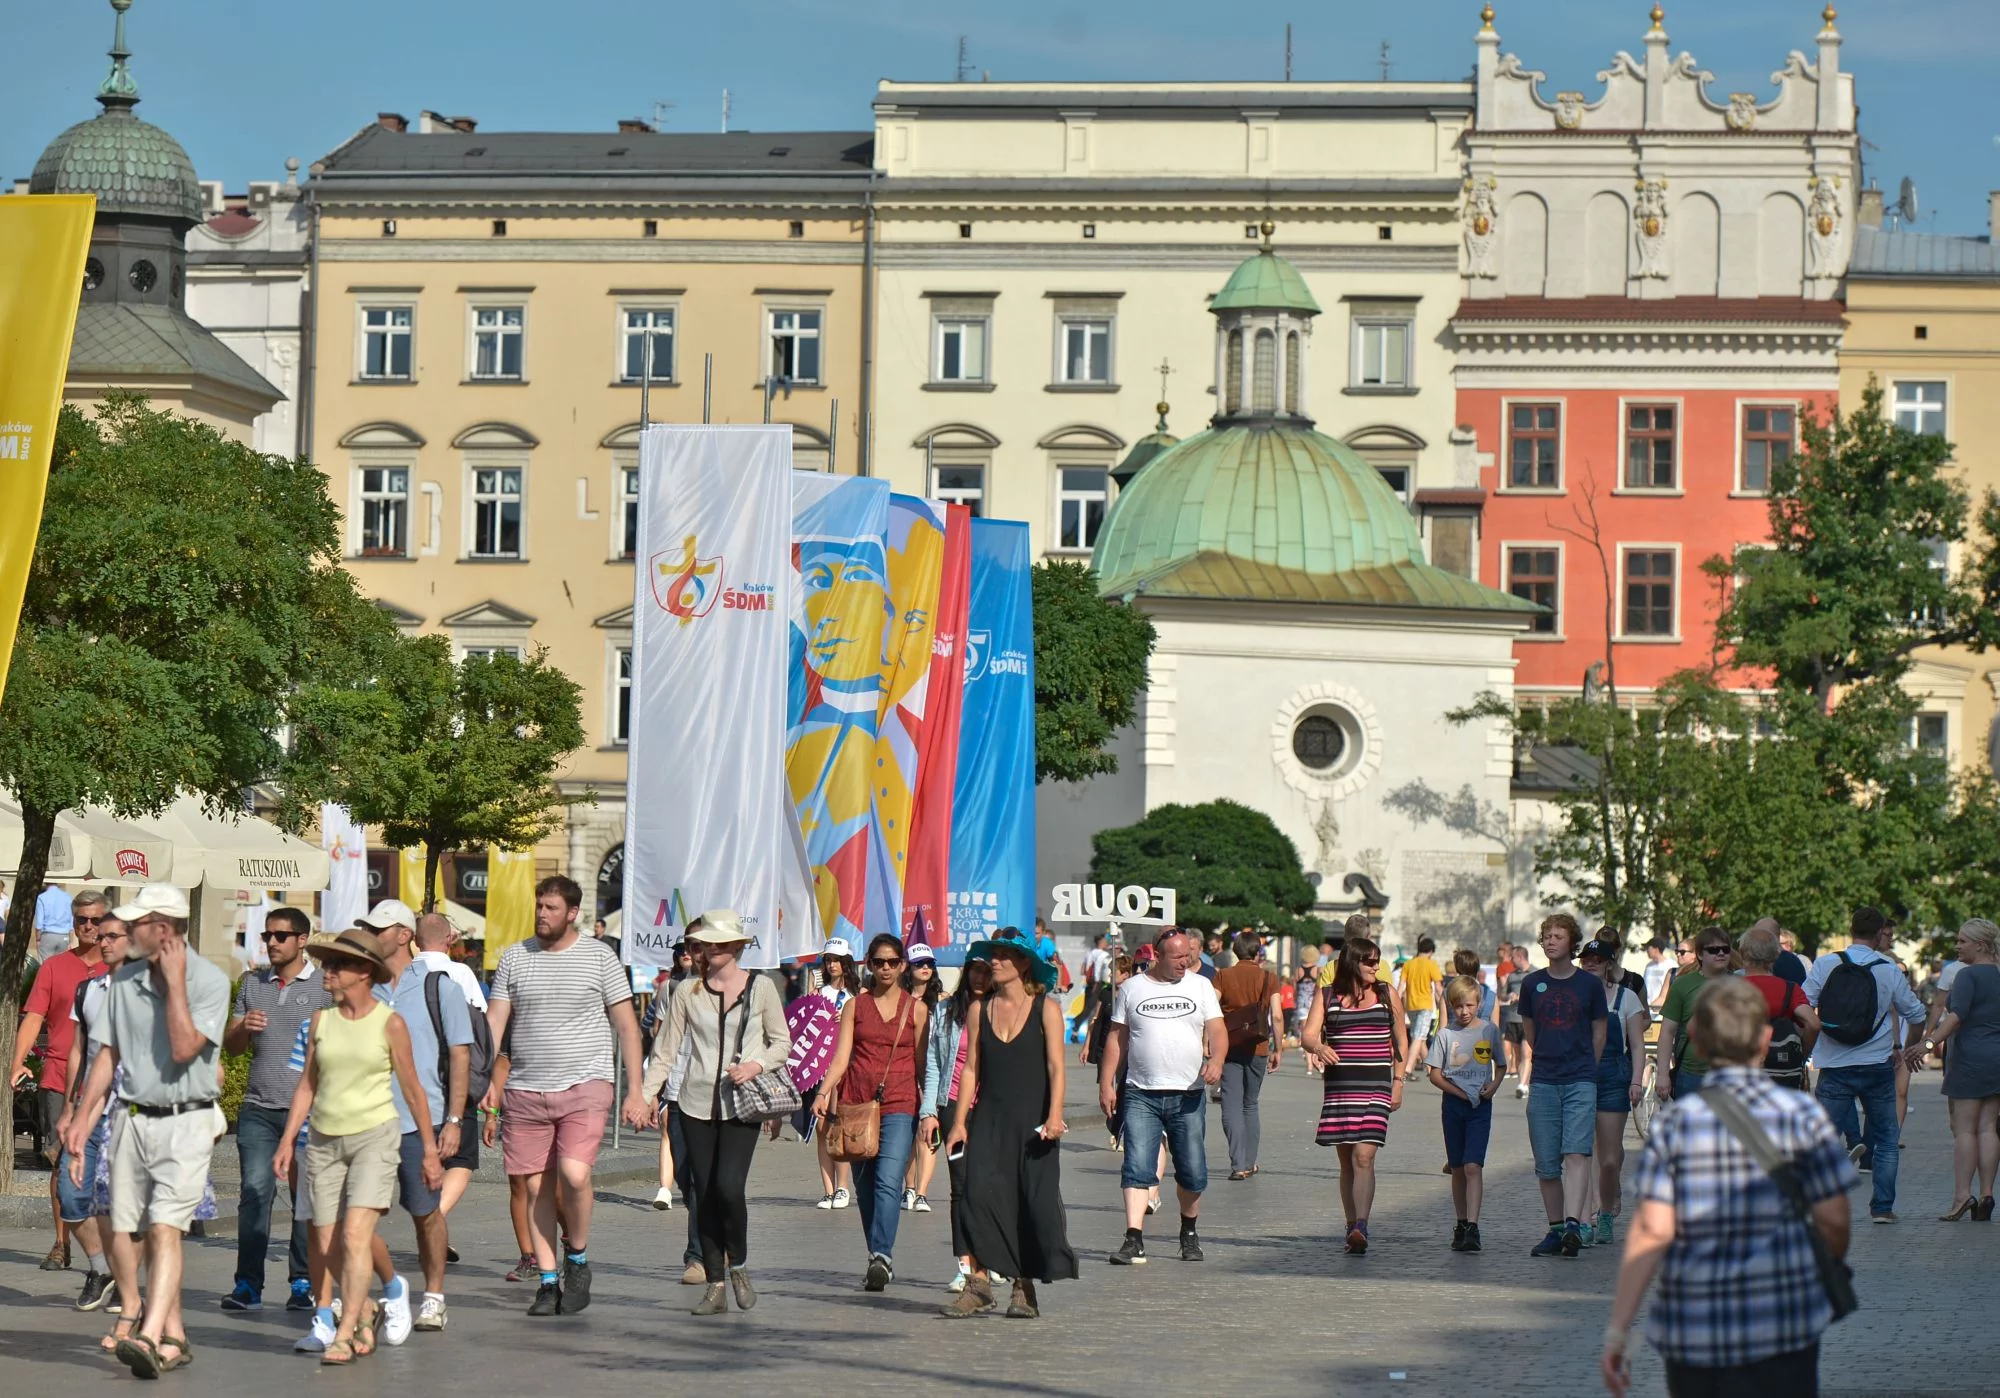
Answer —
1868 213
392 121
465 124
632 126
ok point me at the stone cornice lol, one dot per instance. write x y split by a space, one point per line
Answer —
654 250
1109 257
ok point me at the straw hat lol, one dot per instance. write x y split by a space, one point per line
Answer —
352 945
719 927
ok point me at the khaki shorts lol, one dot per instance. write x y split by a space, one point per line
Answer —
159 1167
354 1171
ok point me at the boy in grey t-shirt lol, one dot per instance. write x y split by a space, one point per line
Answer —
1466 1064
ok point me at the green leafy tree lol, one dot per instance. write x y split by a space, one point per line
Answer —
1228 865
184 589
444 755
1090 666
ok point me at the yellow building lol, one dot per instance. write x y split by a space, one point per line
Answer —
485 306
1923 320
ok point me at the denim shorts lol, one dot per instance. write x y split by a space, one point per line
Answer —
1615 1096
419 1200
76 1200
1562 1120
1182 1119
1467 1128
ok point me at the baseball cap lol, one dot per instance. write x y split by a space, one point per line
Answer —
1143 956
837 946
1600 948
156 900
921 952
390 912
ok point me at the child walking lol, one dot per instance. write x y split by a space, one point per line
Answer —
1467 1062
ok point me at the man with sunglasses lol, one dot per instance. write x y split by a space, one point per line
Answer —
1674 1077
48 1005
271 1004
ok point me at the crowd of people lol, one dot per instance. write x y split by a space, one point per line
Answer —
1769 1082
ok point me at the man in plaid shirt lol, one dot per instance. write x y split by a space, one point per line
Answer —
1741 1303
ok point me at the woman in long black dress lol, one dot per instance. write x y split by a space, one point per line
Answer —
1013 1210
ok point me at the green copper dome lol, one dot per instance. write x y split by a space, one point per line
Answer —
1265 282
1273 514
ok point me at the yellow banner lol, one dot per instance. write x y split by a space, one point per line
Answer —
510 901
41 279
410 878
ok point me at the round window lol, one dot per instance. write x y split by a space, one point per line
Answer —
93 274
1318 743
143 277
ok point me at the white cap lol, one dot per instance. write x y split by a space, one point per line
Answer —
920 952
390 912
837 946
153 900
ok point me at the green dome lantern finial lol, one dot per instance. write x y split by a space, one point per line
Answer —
119 89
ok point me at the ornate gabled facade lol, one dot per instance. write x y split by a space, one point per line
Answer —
1649 305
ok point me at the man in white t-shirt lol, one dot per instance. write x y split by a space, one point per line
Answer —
1167 1036
1096 984
1659 973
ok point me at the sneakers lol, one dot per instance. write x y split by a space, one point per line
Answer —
1190 1247
1572 1242
880 1273
526 1269
243 1297
96 1288
957 1283
1357 1238
1586 1235
1863 1161
575 1286
842 1199
431 1314
316 1339
451 1256
548 1299
301 1298
909 1199
1153 1203
663 1198
1471 1238
1886 1216
825 1202
1131 1252
396 1317
1549 1246
1520 1090
1606 1222
1458 1235
920 1205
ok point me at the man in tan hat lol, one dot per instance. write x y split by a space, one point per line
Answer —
167 1010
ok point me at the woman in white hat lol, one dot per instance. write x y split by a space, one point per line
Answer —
733 1024
839 982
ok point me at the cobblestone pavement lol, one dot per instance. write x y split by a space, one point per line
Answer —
1275 1308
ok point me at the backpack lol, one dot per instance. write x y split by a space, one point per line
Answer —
1785 1059
479 1058
1847 1003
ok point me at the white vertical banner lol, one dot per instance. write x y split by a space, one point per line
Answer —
707 819
345 897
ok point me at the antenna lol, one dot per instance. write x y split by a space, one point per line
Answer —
660 110
1288 50
964 60
725 109
1906 200
1382 61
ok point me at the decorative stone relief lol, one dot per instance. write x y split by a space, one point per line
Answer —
1742 114
1649 228
1569 110
1823 227
1481 239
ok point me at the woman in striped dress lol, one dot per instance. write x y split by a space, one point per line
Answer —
1356 1035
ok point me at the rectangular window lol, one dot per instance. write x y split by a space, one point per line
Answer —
1382 354
1397 478
1649 447
642 330
795 345
961 485
1083 495
385 511
1767 443
496 342
1086 352
385 342
496 512
1531 574
488 652
1928 733
1649 592
1919 408
628 509
961 351
621 702
1534 450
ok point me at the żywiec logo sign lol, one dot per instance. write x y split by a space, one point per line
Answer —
133 862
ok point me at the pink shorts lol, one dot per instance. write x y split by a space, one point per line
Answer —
538 1128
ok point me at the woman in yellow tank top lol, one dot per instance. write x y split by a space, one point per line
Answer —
356 1143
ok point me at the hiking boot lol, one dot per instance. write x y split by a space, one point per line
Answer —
976 1299
714 1301
1572 1242
1549 1246
1458 1236
575 1286
1131 1252
96 1287
548 1300
1190 1247
1022 1305
880 1273
1471 1238
694 1274
746 1294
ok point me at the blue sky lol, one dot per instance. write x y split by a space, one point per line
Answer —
244 85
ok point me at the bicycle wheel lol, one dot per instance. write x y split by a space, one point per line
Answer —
1643 1114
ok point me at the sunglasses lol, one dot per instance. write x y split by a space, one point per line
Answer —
85 920
886 963
279 936
1371 961
1715 951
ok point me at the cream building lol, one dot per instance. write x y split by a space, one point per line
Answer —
246 283
486 305
1040 247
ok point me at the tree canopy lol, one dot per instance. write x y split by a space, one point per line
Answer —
1229 865
1090 666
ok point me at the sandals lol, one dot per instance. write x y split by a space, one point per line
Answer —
339 1352
122 1329
364 1332
142 1356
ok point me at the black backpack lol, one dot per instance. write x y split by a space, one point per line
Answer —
1847 1003
1785 1059
479 1058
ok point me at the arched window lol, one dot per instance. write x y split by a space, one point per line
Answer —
1262 370
1292 372
1232 368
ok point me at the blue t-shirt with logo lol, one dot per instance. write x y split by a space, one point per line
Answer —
1563 1011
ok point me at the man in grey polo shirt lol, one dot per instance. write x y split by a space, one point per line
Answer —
167 1008
271 1004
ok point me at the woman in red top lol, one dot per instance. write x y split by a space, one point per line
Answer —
880 1056
1759 949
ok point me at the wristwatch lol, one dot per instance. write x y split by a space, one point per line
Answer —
454 1121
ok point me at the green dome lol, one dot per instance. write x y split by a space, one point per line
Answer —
132 166
1265 282
1273 513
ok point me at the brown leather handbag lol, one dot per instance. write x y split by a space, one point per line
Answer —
855 1133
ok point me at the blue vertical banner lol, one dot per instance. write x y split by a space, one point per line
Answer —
993 803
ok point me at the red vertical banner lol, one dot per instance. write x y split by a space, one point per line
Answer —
925 916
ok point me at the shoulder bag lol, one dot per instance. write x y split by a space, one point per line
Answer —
855 1133
771 1095
1834 1273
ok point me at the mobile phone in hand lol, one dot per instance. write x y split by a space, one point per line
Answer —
957 1152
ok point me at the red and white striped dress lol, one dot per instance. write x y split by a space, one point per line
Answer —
1355 1110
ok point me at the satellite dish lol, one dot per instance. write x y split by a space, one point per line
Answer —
1906 201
